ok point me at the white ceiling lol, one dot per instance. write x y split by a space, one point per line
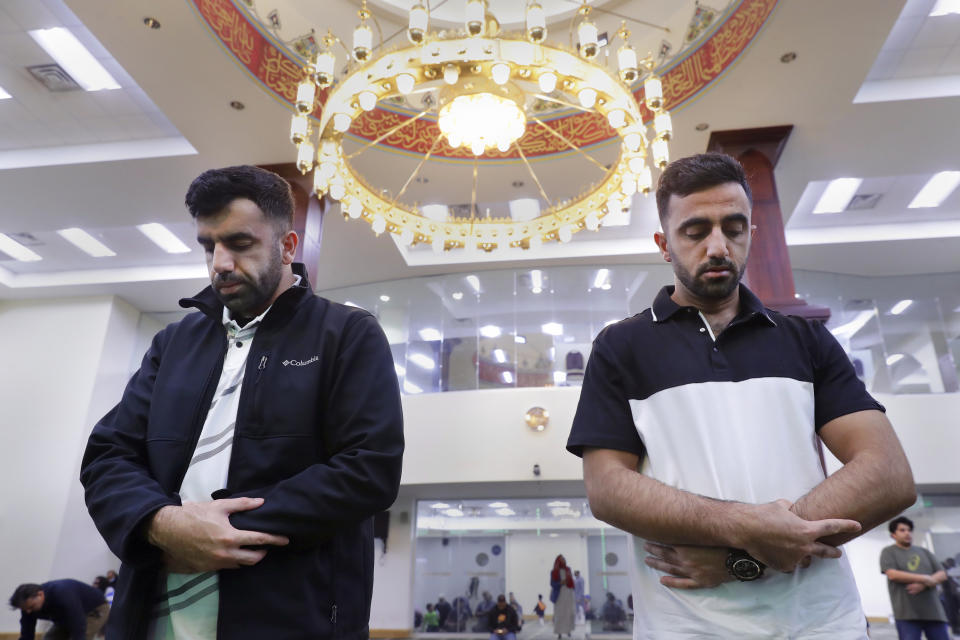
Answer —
185 78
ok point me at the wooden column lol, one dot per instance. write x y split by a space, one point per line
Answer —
307 215
768 274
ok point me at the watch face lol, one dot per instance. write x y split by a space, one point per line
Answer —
745 569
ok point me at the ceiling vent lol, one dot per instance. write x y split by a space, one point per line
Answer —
864 201
53 77
26 239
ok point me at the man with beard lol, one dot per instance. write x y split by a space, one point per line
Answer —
237 477
698 424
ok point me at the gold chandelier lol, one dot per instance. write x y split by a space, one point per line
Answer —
483 79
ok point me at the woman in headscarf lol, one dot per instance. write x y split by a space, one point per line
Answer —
561 595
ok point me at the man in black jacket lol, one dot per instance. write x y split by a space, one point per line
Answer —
237 477
78 611
502 620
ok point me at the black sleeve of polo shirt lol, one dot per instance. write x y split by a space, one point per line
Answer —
836 388
604 419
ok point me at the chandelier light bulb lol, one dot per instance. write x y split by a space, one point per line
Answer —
324 68
587 31
319 184
341 122
337 189
634 141
653 92
627 62
617 118
405 83
536 23
379 224
437 244
534 243
500 72
299 128
547 82
406 237
475 17
367 100
362 42
636 164
454 140
481 120
644 180
306 92
663 125
451 73
355 209
503 146
628 186
587 97
614 206
327 170
565 233
592 221
477 147
661 153
304 157
328 151
417 27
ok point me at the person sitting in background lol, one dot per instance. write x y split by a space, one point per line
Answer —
78 611
431 619
502 620
483 608
516 607
443 609
612 614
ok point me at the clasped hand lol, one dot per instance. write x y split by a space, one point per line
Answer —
772 534
198 536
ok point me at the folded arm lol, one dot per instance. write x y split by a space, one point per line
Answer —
907 577
652 510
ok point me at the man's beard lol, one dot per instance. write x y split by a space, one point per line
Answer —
252 296
714 288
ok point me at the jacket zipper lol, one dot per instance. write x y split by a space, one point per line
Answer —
333 615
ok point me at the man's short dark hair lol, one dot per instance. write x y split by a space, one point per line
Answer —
23 593
213 190
898 521
694 174
501 598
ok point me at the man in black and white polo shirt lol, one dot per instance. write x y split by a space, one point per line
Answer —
698 423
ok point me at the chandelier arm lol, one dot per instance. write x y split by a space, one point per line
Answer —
569 144
544 96
625 17
532 173
389 133
416 171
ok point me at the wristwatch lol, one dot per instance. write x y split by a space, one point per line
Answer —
743 566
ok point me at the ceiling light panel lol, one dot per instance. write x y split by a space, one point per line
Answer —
61 45
4 95
16 250
163 237
937 189
86 242
837 195
945 8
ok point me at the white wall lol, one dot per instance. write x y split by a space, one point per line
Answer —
392 604
54 352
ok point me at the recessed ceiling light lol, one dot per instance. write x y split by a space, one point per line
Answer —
517 183
498 505
519 340
558 503
945 8
474 282
457 295
900 307
16 250
507 377
153 23
86 242
937 189
559 377
837 195
4 95
400 369
440 505
788 57
384 298
422 361
429 334
602 279
490 331
236 104
552 328
894 358
506 511
163 237
454 513
499 355
61 45
409 387
536 281
703 126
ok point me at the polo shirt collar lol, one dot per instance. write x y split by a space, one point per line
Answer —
664 307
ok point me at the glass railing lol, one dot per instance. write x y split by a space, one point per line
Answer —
534 327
